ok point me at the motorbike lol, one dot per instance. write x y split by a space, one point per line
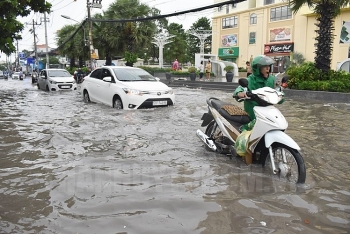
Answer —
268 144
34 78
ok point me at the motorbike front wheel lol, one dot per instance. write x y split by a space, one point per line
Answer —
293 169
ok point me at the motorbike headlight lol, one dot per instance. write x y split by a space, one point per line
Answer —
52 82
132 91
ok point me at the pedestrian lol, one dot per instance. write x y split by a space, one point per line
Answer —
176 65
201 70
208 70
248 68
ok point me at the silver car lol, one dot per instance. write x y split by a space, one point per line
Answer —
53 79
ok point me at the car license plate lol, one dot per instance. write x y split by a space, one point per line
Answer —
159 103
65 87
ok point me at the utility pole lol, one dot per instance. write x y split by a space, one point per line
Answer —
35 51
47 52
91 46
35 48
17 60
93 4
201 35
160 40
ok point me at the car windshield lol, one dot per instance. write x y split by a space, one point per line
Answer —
59 73
17 73
133 75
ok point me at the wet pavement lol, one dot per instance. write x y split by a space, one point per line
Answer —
71 167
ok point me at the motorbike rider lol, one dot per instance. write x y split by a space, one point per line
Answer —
260 78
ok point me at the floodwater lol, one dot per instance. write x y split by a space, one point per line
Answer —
71 167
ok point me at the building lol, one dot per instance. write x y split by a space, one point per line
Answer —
253 27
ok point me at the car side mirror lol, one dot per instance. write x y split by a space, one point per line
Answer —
107 79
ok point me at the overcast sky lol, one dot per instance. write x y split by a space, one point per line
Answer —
78 11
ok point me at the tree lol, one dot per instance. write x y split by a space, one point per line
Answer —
194 42
326 11
10 27
177 49
130 36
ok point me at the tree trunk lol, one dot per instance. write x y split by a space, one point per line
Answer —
324 40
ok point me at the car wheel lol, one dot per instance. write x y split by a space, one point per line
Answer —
117 103
86 96
47 88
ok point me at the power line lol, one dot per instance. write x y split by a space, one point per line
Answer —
149 18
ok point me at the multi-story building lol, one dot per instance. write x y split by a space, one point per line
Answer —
253 27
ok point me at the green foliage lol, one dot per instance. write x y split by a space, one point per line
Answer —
130 58
153 70
228 68
192 70
242 69
308 77
10 27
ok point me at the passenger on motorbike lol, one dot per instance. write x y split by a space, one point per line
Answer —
260 78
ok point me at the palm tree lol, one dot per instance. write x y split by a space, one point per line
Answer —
326 11
129 36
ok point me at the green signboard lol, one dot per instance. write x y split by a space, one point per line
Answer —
228 52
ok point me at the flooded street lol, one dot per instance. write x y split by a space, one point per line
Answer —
71 167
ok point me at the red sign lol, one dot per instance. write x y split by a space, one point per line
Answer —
279 48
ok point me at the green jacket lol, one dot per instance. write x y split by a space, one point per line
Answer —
255 82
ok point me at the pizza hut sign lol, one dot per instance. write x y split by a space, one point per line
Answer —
279 48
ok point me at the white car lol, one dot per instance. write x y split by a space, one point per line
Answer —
53 79
126 88
17 75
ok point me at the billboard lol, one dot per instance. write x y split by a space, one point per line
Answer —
344 33
229 40
280 34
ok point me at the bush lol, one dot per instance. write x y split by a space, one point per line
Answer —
228 68
242 69
153 70
192 70
308 77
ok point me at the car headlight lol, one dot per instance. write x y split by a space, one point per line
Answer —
132 91
74 82
170 91
52 82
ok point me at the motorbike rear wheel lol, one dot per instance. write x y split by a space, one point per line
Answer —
294 170
214 132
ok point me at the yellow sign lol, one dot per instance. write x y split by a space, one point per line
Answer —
94 54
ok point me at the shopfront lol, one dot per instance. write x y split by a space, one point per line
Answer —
280 52
228 54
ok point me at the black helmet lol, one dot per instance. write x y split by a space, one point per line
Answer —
261 61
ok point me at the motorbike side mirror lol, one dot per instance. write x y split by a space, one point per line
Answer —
243 82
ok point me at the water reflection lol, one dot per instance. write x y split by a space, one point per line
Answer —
70 167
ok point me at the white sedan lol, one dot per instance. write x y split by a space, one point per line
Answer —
53 79
126 88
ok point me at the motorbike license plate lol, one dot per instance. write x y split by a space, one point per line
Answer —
65 87
159 103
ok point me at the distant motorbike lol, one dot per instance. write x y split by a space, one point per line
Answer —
34 78
268 144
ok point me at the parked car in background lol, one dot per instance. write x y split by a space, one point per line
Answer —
17 75
126 88
53 79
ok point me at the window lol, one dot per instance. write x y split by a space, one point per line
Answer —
268 2
253 18
234 5
227 9
231 22
219 8
252 37
96 74
280 13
